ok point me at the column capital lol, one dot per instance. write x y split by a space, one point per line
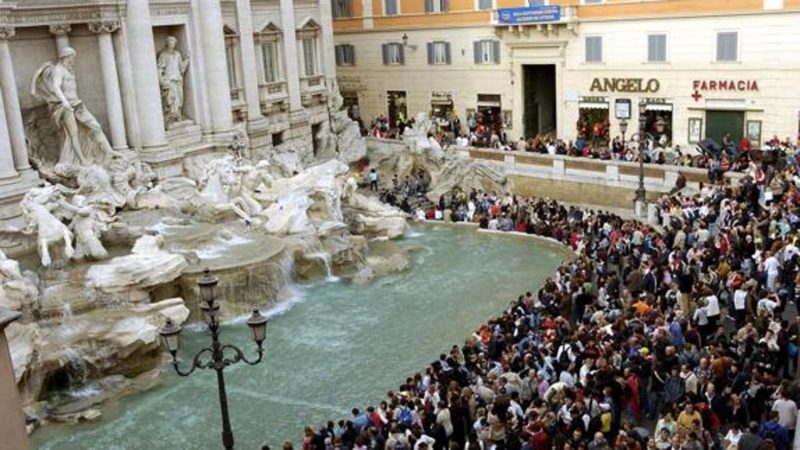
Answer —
106 26
7 33
61 29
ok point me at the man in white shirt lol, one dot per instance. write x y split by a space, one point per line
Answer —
712 312
740 305
787 412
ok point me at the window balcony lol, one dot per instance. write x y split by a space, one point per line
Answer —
274 97
313 90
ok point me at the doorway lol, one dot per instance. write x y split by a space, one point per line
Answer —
315 137
397 107
539 99
720 123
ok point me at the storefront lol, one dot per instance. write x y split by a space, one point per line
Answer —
489 113
657 111
350 104
592 122
397 107
441 104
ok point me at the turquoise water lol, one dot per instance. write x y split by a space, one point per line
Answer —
341 345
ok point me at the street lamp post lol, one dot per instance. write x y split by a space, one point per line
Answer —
623 128
213 357
643 138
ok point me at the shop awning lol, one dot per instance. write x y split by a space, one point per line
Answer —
592 105
658 107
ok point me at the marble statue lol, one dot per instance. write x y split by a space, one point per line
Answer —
171 69
88 222
39 207
84 142
16 290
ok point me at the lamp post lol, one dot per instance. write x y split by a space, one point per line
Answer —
623 128
643 138
213 357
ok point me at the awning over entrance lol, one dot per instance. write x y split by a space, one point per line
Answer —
657 107
592 105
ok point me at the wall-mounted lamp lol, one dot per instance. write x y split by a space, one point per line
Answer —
405 42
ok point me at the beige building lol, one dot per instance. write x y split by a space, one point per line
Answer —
703 69
265 65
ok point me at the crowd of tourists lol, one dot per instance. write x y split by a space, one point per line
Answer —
676 336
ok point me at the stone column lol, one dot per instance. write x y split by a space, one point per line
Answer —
327 51
290 54
125 74
217 83
108 65
12 427
145 75
61 33
6 156
249 68
16 129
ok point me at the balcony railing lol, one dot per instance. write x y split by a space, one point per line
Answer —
274 97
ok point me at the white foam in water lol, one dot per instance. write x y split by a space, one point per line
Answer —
220 245
89 390
410 233
288 297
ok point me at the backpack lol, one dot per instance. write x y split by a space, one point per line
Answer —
405 418
563 358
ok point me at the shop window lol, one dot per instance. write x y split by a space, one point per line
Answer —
594 49
342 8
390 7
437 6
727 46
657 48
487 52
345 55
393 54
438 53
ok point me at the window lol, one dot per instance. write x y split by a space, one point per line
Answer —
592 2
657 48
342 8
438 53
345 55
594 49
536 2
487 52
485 4
393 54
269 62
390 7
437 6
277 139
310 56
727 46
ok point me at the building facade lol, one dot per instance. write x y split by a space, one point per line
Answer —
696 68
262 65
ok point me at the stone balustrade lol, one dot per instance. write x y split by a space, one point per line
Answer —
604 183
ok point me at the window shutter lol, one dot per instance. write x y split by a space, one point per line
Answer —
727 46
348 12
336 11
428 6
448 60
476 51
496 45
338 52
430 52
402 52
353 55
385 48
445 5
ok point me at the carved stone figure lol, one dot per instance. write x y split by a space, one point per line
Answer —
38 208
87 223
84 142
171 68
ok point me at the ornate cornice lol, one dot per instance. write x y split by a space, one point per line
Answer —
56 16
106 26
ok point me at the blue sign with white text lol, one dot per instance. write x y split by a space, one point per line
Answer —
529 14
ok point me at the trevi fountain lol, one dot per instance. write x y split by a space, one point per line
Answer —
109 251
